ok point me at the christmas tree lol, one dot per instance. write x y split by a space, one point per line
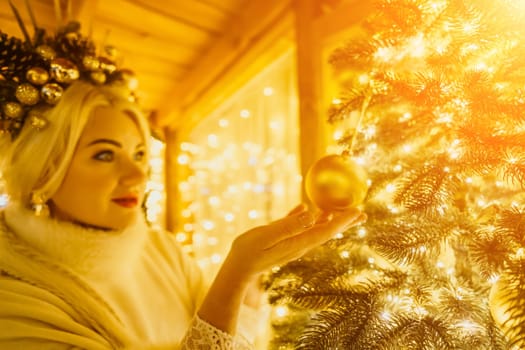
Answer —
434 99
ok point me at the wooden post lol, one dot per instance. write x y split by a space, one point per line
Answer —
172 176
312 123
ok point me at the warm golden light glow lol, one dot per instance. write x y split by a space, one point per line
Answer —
155 199
243 164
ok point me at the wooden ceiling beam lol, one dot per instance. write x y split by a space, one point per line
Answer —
244 33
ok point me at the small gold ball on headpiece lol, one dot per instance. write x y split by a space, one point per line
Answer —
37 75
99 77
13 110
107 65
91 62
16 125
37 120
46 52
27 94
51 93
64 71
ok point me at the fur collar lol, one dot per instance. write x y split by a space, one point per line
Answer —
95 254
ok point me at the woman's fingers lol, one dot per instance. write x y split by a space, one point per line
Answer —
288 238
343 220
289 226
321 231
324 217
298 209
318 229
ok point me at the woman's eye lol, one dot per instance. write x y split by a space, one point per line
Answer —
105 156
140 155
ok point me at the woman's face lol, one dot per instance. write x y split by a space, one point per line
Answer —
105 183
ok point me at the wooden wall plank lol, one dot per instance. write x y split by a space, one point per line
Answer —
130 15
228 6
43 11
199 14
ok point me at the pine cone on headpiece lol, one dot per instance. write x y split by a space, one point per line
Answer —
15 57
70 43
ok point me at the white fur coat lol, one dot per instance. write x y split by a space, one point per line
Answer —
63 286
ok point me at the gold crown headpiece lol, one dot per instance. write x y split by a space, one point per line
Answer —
34 73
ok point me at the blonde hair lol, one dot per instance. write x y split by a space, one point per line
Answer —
36 162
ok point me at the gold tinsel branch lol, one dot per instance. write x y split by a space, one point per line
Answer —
489 250
511 301
425 333
406 243
512 222
428 188
330 328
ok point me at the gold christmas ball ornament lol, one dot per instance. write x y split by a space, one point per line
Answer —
51 93
46 52
37 75
27 94
64 71
12 110
506 308
335 183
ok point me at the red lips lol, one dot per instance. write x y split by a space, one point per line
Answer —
127 201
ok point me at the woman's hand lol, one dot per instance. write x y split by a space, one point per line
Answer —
289 238
263 247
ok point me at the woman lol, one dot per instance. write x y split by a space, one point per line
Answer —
80 268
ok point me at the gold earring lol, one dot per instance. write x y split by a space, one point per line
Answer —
39 204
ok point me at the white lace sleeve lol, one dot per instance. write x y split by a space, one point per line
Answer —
203 336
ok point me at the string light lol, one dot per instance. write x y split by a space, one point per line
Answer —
155 199
183 159
245 174
216 259
337 135
363 79
268 91
405 117
4 200
281 311
181 237
253 214
223 123
245 113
